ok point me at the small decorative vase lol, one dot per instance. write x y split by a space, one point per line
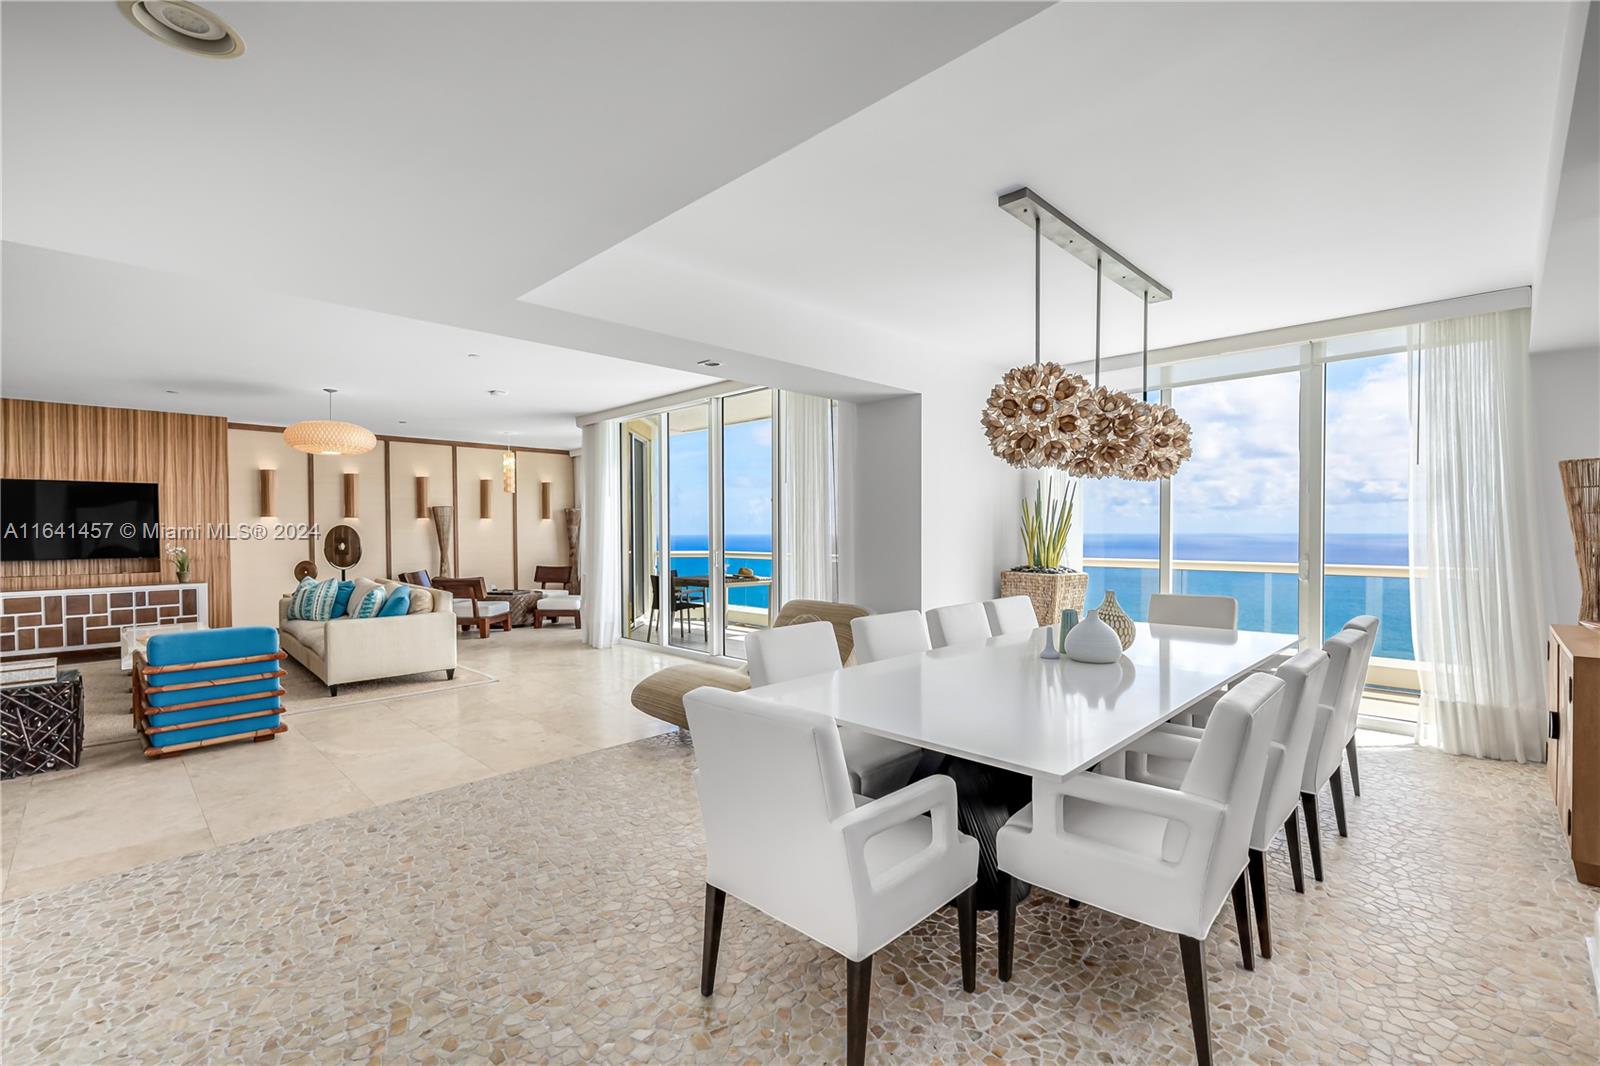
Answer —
1112 614
1069 618
1049 650
1092 641
183 575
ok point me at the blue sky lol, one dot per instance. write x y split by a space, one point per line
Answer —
747 477
1244 475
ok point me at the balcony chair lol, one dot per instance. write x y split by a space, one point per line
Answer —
1011 614
885 636
1326 750
683 606
784 834
472 605
1303 678
960 623
1165 857
1367 624
877 764
201 687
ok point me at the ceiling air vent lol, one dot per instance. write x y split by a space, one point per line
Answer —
185 26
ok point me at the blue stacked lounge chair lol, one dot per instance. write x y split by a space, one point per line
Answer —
200 687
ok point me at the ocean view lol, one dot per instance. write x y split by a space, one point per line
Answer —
1269 602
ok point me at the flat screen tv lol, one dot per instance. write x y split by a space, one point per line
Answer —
44 521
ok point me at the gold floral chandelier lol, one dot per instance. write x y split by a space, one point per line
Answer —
1046 416
325 436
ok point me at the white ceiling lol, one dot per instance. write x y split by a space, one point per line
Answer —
1271 163
104 333
430 161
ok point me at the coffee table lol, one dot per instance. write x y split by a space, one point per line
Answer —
522 602
137 638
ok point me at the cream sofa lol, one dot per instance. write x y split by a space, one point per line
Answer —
362 649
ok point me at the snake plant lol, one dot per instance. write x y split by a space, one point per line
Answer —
1044 527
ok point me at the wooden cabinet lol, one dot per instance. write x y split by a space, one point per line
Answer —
1572 684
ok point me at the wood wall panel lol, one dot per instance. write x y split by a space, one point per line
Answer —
185 455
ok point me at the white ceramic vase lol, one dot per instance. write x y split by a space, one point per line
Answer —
1092 641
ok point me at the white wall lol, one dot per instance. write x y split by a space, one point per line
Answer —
263 570
880 503
1566 419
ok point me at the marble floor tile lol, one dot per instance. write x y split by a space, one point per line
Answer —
399 773
248 789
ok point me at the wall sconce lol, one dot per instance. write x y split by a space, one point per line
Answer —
267 490
544 500
422 495
485 487
350 496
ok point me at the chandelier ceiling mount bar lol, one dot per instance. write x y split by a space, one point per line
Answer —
1030 208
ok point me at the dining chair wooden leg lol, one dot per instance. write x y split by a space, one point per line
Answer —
1308 802
1241 918
1336 782
1355 774
1194 977
1258 896
1291 832
860 993
1008 923
715 899
967 921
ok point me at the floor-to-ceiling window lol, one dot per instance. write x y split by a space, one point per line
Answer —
1294 501
700 517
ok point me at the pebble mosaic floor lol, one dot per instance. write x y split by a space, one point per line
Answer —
553 915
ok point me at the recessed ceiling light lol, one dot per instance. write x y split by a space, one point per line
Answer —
401 421
472 355
709 362
185 26
497 392
172 392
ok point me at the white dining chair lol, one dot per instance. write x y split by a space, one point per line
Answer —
1327 738
1165 857
959 623
877 764
1010 614
886 636
1212 612
1303 678
1368 624
784 834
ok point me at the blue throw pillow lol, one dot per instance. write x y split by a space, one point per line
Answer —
341 602
299 598
398 602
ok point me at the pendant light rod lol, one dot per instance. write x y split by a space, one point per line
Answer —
1144 353
1029 207
330 393
1036 244
1098 274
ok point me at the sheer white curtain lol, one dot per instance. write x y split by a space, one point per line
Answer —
805 457
1477 583
600 540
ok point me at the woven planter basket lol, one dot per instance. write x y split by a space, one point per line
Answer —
1050 593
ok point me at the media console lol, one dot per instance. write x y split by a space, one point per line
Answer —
58 620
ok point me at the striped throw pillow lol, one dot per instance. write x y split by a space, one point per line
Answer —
299 597
319 602
366 600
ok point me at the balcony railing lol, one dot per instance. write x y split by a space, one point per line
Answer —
1268 595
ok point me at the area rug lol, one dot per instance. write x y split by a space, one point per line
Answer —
107 699
553 915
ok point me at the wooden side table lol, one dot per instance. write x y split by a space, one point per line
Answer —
41 726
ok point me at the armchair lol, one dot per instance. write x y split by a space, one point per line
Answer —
785 835
197 688
472 605
1164 857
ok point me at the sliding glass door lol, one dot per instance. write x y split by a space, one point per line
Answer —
700 523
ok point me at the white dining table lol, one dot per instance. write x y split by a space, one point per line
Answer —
999 703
